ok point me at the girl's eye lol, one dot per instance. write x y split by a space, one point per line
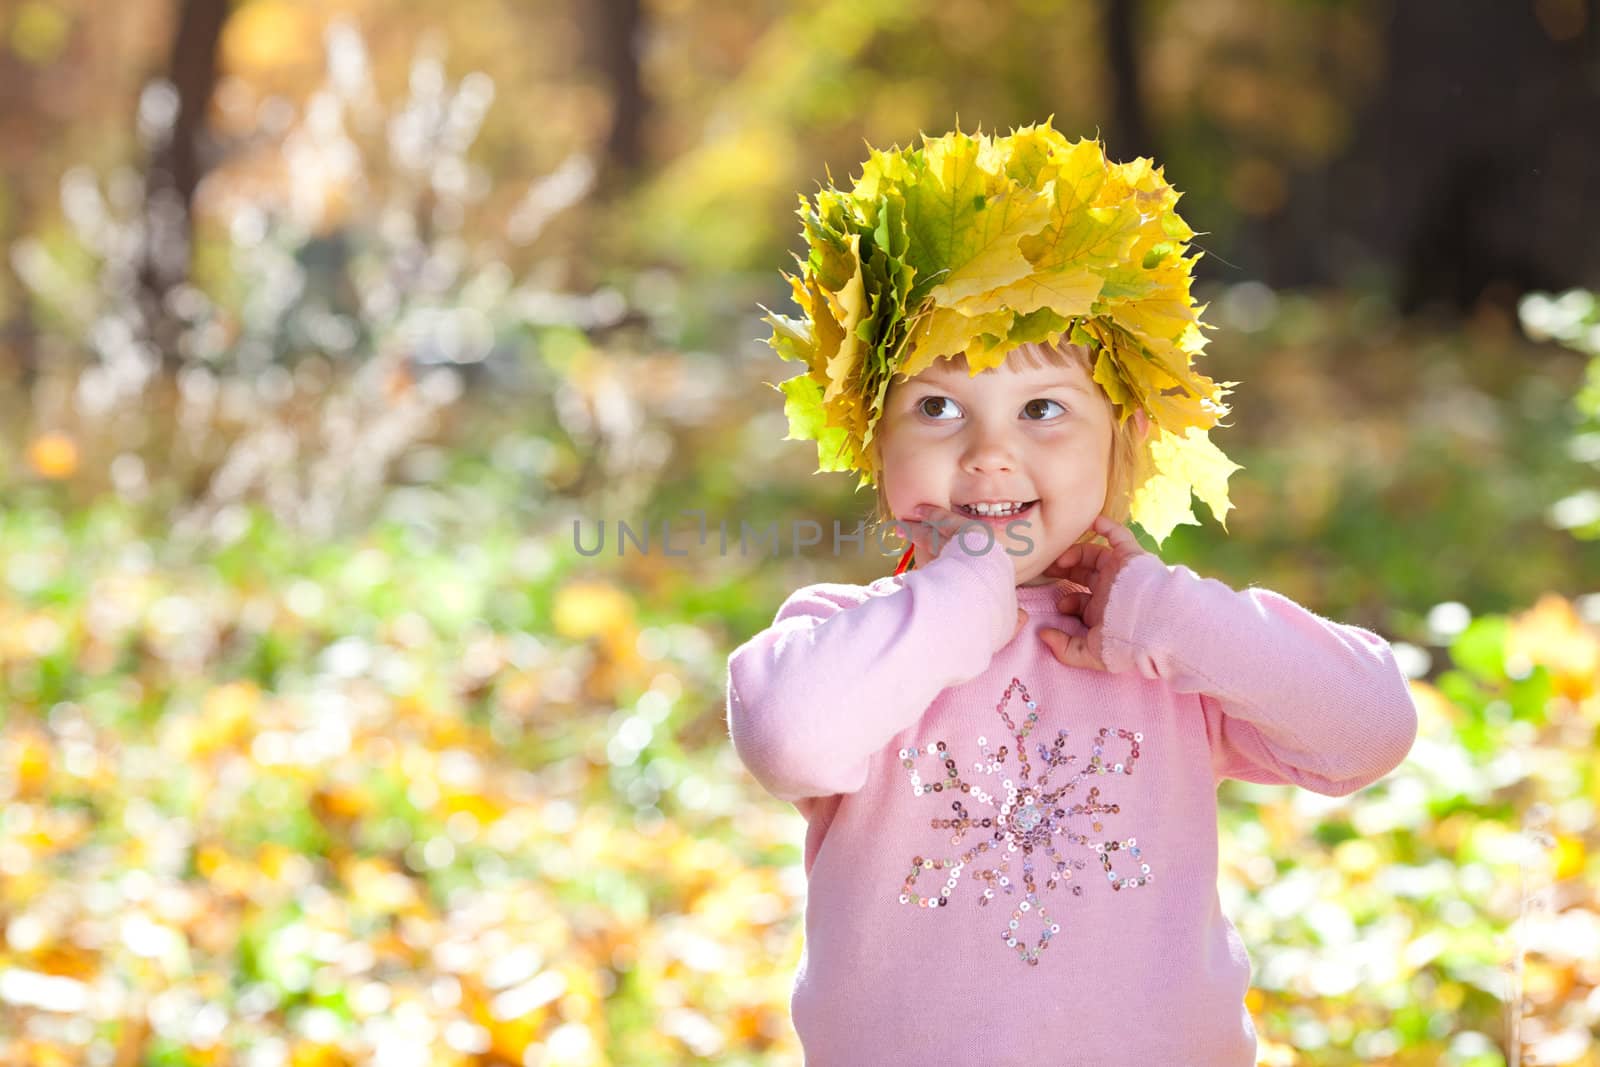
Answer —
935 407
1032 407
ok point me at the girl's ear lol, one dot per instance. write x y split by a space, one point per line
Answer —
1142 421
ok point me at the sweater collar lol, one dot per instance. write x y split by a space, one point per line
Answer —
1042 599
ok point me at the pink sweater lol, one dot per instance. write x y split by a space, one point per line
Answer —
972 803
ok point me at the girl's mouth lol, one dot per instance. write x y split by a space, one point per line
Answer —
998 518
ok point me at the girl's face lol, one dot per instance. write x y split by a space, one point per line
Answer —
1035 436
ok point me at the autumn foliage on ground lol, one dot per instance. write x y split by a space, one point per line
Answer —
445 791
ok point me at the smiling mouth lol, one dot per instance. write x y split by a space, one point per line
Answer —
1026 509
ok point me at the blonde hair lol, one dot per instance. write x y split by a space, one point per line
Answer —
1124 465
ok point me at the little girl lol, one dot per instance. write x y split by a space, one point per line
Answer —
1008 756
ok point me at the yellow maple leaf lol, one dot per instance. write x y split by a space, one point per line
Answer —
846 306
1190 464
948 331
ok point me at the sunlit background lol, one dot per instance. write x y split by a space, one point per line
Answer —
321 325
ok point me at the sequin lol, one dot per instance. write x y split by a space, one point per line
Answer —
1031 820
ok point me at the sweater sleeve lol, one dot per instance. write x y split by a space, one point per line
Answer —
1289 697
842 669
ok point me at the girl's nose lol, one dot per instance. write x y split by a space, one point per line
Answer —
989 450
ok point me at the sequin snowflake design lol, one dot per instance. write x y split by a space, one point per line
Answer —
1032 820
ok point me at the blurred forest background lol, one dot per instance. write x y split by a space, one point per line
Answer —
321 324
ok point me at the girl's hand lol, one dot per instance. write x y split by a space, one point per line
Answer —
933 528
1094 567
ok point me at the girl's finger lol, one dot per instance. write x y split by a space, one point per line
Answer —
1077 579
1080 557
929 534
909 529
1071 558
933 512
1096 561
1120 536
1069 649
947 523
1073 603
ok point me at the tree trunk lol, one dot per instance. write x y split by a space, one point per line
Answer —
1469 179
615 29
19 155
175 169
1130 132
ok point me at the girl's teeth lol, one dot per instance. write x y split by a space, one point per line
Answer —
984 510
